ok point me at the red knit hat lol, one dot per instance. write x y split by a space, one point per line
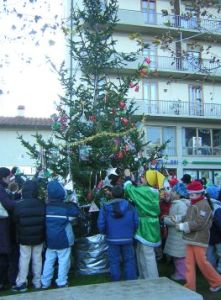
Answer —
173 181
195 187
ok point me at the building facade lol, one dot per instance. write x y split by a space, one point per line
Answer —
12 152
181 99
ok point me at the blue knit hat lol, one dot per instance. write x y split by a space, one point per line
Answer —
213 191
180 188
55 190
4 172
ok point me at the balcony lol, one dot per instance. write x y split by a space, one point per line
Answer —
170 108
176 66
129 20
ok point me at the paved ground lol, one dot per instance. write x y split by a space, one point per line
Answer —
160 289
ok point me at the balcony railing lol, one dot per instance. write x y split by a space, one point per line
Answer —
135 17
185 64
177 108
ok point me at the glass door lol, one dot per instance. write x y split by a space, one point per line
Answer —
195 100
151 52
148 7
193 60
150 95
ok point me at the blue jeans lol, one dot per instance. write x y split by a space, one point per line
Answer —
63 266
126 254
214 256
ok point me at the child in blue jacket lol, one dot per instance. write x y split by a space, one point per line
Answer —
59 235
118 220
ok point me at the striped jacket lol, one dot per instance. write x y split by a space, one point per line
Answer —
118 220
59 232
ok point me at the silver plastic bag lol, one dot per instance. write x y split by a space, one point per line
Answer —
91 255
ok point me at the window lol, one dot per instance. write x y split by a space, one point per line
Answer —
188 141
148 7
212 176
217 177
216 141
201 141
156 136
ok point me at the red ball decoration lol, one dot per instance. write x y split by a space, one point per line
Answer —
137 88
147 60
92 118
120 154
122 104
132 85
90 196
124 121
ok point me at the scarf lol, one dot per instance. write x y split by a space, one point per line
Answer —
194 201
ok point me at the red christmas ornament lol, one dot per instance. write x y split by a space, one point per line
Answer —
122 104
127 148
92 118
137 88
90 196
132 85
124 121
120 154
63 119
147 60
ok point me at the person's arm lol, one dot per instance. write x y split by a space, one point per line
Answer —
72 211
101 221
180 213
168 220
199 218
7 202
217 219
136 219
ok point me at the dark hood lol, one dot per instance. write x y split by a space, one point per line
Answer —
30 189
117 207
3 184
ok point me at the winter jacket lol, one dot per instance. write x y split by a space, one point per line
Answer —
215 230
146 201
175 245
118 220
29 215
59 232
8 204
197 224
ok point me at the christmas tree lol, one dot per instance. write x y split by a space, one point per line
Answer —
95 128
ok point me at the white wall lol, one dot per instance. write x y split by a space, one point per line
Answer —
12 153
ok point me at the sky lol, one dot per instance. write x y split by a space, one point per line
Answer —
31 39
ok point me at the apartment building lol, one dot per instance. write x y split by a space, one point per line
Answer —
181 99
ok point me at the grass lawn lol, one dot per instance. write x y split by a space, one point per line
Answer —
165 269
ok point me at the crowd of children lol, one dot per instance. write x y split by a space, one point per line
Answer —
132 220
27 224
